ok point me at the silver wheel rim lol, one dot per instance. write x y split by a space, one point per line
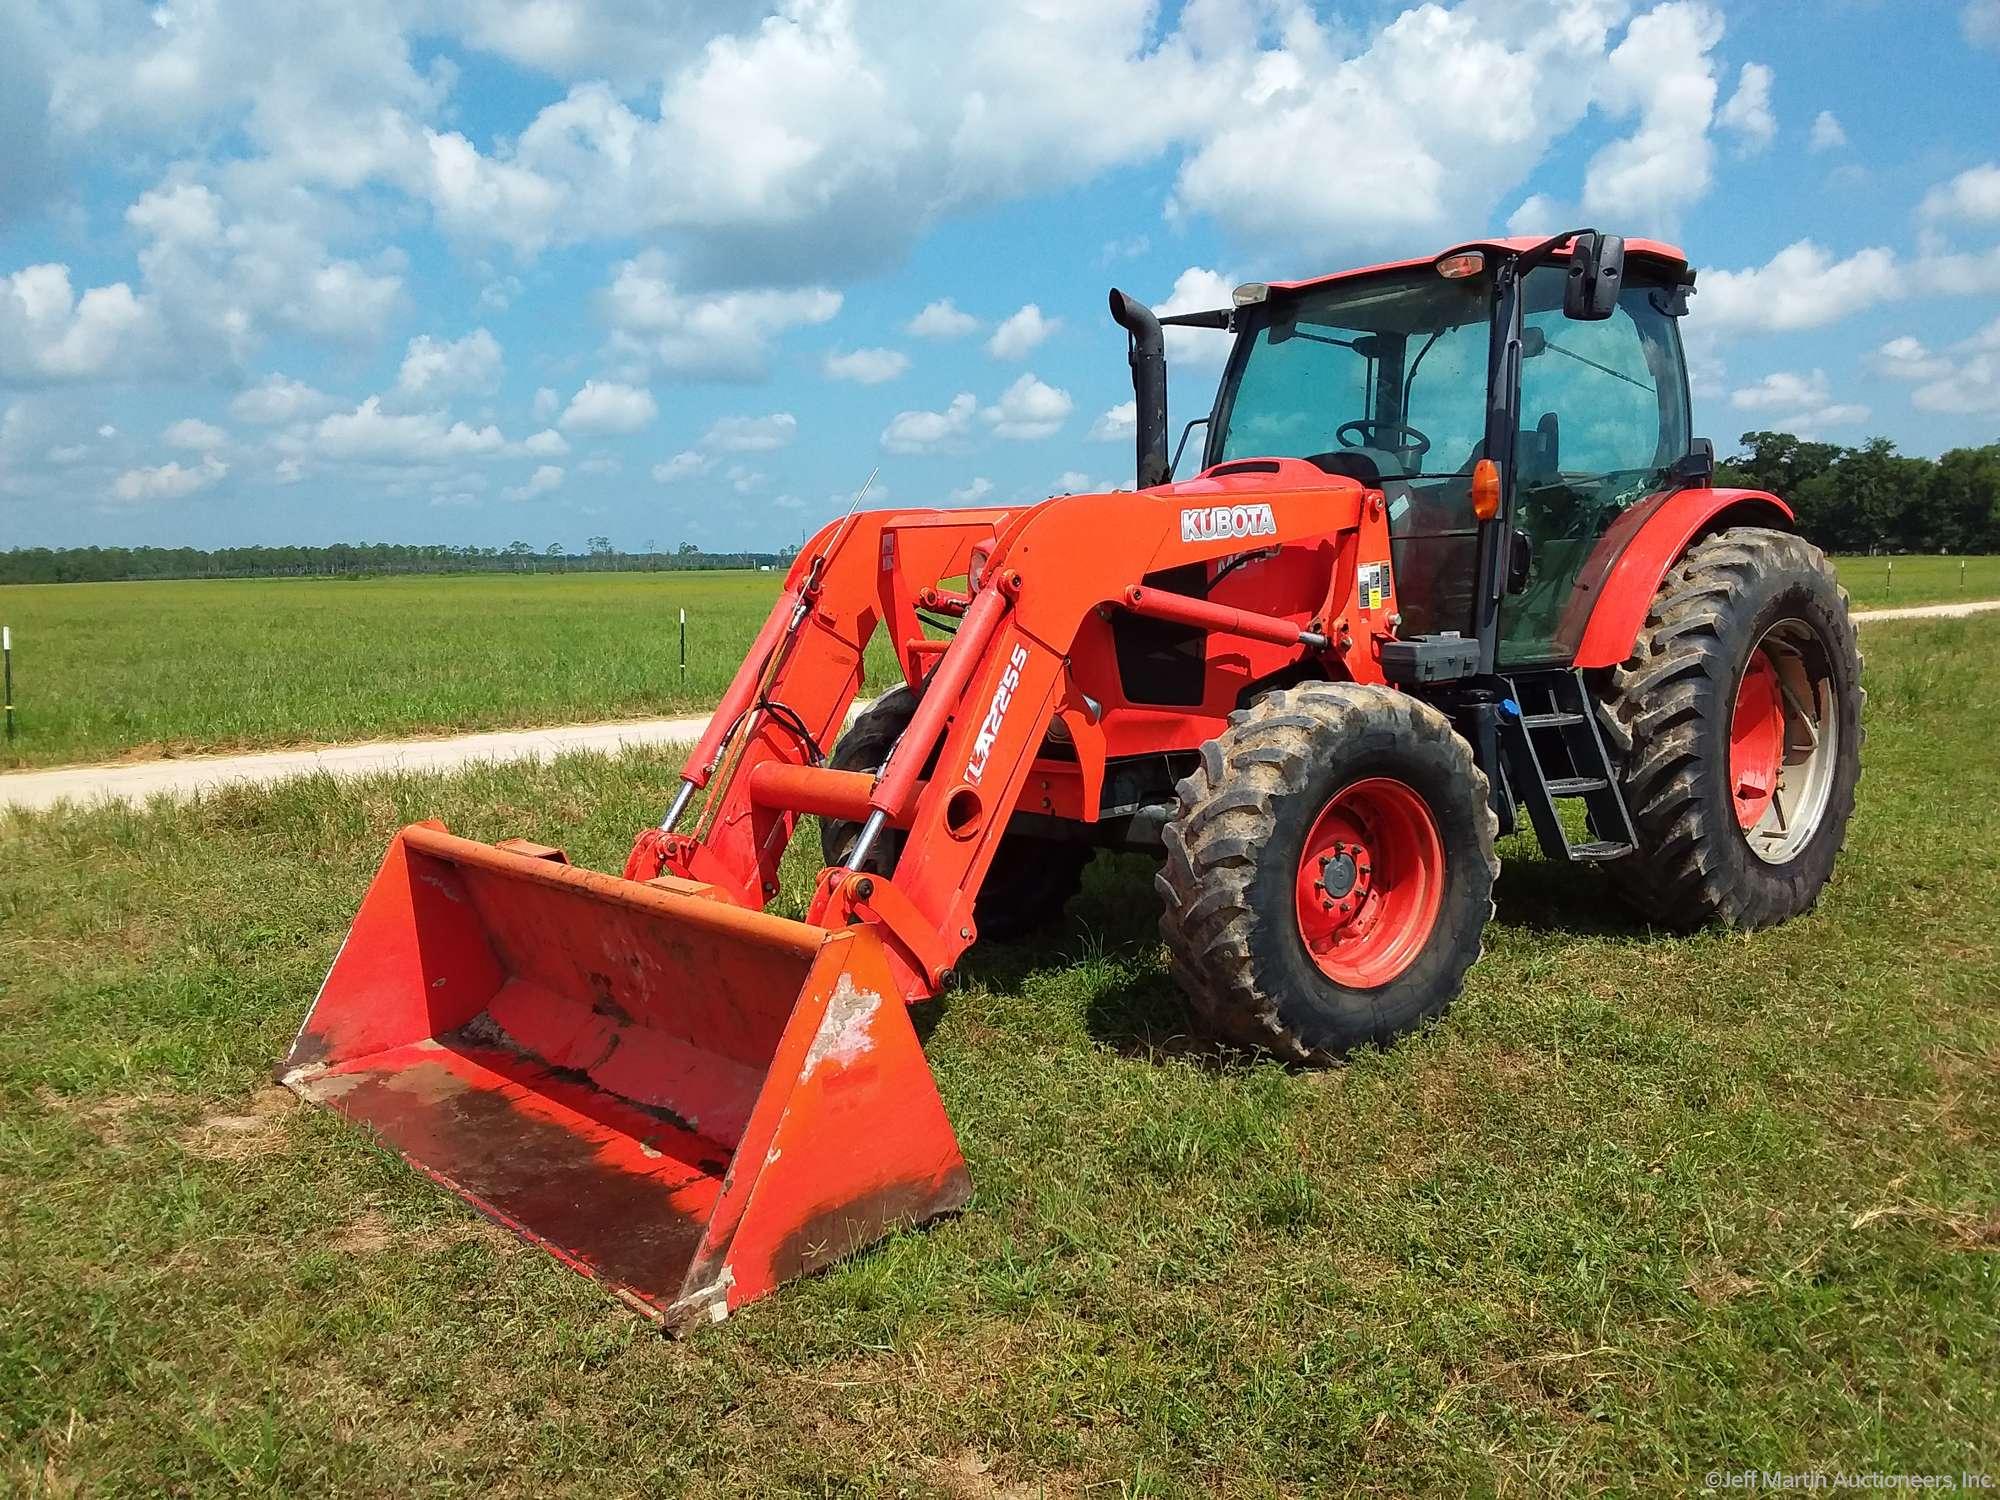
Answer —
1804 789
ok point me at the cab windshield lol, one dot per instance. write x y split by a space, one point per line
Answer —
1383 378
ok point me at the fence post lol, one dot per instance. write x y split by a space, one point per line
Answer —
7 655
684 647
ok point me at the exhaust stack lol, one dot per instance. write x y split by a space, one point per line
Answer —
1148 355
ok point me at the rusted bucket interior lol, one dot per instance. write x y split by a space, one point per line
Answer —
577 1055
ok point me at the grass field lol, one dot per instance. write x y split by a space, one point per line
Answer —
143 669
1640 1209
1885 582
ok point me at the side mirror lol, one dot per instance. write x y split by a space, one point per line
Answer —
1596 276
1697 465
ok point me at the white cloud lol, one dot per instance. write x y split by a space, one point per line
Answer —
1197 289
222 281
1802 286
683 465
276 400
941 320
369 433
751 434
972 492
169 481
1965 386
435 368
1804 402
1971 389
48 333
1537 214
1120 423
606 406
547 403
1021 334
745 480
721 335
195 435
1973 194
926 431
1748 111
1906 358
1028 409
865 366
1780 389
1661 72
1826 132
548 443
1980 21
547 477
1434 119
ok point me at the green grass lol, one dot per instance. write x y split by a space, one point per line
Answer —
1886 582
1640 1208
143 669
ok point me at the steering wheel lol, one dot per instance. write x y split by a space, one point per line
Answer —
1367 428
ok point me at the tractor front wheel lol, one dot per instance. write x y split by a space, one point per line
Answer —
1739 722
1329 871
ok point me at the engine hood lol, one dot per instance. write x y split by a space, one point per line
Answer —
1237 477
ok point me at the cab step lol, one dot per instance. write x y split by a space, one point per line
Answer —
1553 752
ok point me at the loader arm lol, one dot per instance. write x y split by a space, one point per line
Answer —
1050 573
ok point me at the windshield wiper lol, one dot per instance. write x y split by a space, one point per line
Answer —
1549 343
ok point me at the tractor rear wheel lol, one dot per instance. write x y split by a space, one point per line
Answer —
1030 880
1738 721
1329 871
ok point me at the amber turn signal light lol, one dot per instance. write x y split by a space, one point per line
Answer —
1486 489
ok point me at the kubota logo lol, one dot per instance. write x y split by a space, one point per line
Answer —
1217 523
982 743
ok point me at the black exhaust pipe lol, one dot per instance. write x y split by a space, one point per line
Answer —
1148 355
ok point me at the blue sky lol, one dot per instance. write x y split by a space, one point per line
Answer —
486 270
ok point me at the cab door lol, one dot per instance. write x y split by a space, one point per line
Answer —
1604 417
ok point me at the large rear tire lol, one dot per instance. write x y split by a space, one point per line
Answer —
1738 722
1030 880
1329 871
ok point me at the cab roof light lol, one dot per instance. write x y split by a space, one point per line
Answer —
1465 263
1250 293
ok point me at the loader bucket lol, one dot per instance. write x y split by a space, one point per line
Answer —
687 1100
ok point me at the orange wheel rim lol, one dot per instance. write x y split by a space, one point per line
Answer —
1370 882
1756 739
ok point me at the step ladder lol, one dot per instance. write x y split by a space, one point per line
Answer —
1554 751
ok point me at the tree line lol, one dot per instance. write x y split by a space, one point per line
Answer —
1864 499
1872 498
355 560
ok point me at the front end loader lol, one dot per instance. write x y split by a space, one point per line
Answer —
1391 618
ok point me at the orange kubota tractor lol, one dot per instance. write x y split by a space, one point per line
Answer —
1452 559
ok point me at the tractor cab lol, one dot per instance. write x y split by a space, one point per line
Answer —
1405 377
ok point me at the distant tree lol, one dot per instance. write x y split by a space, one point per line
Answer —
1776 462
1965 499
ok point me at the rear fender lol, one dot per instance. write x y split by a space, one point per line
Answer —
1617 584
